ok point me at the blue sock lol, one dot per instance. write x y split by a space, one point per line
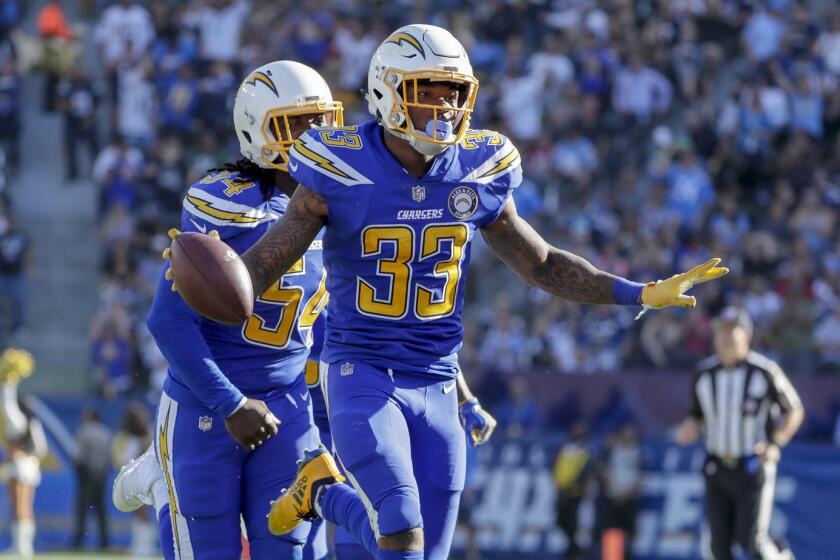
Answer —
400 555
340 504
167 539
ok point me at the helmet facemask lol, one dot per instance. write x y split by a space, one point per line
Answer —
277 133
439 133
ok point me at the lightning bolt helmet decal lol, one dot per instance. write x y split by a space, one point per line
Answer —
400 38
263 78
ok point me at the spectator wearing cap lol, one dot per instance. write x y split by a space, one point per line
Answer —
748 410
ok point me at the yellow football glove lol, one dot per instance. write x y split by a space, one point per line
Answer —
173 233
15 364
671 292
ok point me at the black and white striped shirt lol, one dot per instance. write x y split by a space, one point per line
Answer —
738 405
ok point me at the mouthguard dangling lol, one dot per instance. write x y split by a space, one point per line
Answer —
439 130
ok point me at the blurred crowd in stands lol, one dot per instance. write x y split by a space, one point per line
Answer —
654 135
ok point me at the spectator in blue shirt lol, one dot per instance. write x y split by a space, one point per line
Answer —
10 112
690 189
216 89
762 35
9 14
111 359
807 108
179 101
519 414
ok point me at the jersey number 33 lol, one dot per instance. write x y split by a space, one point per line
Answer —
441 244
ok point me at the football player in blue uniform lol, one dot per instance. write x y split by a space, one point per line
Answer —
236 412
346 546
401 198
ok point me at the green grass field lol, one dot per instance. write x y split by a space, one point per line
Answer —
73 556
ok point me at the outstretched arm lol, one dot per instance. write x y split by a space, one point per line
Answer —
287 240
558 272
569 276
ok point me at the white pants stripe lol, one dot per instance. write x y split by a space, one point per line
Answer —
766 547
164 436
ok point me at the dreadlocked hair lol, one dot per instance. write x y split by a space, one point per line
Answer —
248 169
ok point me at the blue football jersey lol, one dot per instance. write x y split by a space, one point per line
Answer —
269 350
396 247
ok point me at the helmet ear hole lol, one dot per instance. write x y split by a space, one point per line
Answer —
377 93
247 136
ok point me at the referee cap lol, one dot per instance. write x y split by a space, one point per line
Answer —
735 317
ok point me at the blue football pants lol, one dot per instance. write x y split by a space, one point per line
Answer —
398 437
212 480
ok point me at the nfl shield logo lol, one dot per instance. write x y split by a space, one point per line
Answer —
346 369
418 193
205 423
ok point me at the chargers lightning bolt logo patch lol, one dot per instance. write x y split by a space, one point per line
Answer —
400 38
236 217
263 78
318 159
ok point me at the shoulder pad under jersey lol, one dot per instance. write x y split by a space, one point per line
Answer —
488 157
225 202
328 154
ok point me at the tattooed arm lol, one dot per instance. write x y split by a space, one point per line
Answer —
558 272
287 240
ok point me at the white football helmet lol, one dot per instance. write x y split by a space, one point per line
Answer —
420 52
267 98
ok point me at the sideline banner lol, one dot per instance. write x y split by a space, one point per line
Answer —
514 513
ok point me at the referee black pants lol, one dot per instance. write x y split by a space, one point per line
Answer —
739 501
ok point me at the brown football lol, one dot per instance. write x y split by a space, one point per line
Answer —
211 278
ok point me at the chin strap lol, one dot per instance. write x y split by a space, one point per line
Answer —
427 148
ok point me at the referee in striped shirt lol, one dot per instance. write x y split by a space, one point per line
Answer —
748 410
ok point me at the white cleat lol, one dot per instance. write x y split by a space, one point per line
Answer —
133 486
